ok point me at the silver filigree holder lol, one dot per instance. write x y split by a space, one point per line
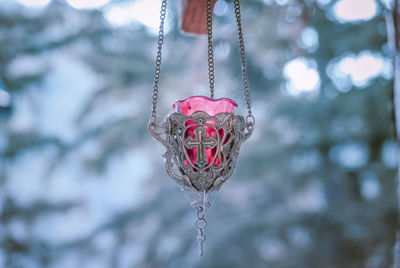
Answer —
200 176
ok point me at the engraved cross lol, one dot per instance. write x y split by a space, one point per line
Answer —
200 142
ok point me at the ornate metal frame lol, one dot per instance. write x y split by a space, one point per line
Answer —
186 136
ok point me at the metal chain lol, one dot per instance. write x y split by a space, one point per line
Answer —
250 121
211 75
160 42
201 224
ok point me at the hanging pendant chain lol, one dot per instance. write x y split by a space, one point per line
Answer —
160 40
211 75
250 121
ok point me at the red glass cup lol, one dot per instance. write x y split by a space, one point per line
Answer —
212 107
205 104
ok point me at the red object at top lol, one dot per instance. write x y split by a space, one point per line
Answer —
205 104
193 17
205 138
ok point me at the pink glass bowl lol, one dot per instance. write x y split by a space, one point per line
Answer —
211 107
205 104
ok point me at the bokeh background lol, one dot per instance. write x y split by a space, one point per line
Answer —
82 184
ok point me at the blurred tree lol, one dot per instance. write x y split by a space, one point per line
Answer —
82 184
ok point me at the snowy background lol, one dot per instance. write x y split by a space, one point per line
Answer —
82 184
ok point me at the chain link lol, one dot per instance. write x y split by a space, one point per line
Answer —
201 224
250 121
211 75
160 42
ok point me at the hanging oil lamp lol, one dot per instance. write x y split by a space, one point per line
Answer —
203 135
